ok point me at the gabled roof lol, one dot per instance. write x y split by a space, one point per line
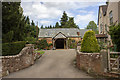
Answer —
68 32
59 35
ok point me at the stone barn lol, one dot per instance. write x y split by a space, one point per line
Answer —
59 36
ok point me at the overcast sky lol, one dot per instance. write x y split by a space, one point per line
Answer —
48 13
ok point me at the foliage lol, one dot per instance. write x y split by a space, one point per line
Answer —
92 25
42 27
115 35
89 42
41 52
102 45
57 25
50 44
64 19
9 36
70 23
42 44
16 26
72 44
31 40
12 48
65 22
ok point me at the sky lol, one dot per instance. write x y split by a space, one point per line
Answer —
48 13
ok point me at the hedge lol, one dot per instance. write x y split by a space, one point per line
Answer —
89 43
12 48
42 44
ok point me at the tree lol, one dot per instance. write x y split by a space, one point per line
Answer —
16 26
57 25
27 21
33 24
50 26
89 42
11 18
45 27
64 19
70 23
115 35
92 25
42 27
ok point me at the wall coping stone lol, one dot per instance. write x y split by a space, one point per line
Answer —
78 52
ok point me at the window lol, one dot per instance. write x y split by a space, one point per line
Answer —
111 17
106 27
73 41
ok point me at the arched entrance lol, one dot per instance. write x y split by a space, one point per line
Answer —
60 43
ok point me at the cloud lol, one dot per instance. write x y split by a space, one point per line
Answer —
83 20
44 22
47 13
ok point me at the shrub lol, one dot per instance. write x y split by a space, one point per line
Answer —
8 37
42 44
89 42
12 48
72 44
102 45
115 35
50 44
30 40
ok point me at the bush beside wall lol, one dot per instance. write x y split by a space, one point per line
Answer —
12 48
89 43
42 44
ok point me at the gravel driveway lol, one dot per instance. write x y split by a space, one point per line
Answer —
53 64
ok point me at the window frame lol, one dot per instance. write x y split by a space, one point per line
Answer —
111 17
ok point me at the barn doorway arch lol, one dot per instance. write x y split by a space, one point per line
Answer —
60 43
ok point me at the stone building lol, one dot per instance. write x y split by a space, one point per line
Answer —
108 14
59 36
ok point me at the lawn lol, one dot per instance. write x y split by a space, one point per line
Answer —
41 52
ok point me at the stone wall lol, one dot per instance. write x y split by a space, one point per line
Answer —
92 62
14 63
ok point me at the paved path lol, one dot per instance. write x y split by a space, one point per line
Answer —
53 64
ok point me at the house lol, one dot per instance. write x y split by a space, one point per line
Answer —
59 36
108 14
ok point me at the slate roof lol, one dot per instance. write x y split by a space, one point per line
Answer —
68 32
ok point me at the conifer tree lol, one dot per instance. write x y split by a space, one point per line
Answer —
57 25
64 19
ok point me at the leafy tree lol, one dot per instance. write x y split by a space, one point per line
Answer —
15 24
89 42
64 19
27 20
32 24
92 25
42 27
50 26
11 16
42 44
70 23
45 27
53 26
57 25
115 35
